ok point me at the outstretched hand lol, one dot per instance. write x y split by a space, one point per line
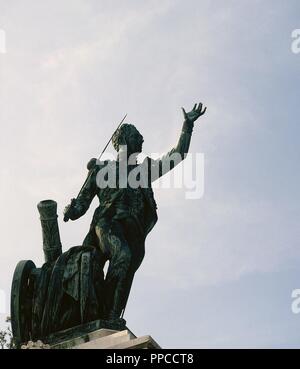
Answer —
193 115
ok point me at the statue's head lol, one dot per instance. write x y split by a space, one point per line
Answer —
128 135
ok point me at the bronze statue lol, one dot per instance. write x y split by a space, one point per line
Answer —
125 215
69 291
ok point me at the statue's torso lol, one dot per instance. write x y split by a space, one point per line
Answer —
124 202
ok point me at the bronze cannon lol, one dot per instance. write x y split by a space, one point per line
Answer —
66 292
26 273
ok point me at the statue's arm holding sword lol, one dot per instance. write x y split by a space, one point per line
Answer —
80 205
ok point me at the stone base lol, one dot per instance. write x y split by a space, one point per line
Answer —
108 339
85 330
99 334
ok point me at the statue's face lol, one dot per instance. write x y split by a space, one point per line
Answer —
134 141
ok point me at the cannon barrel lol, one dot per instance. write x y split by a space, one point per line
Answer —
51 239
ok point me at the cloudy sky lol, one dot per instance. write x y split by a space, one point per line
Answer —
219 271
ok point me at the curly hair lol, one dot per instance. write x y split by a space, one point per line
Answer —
119 137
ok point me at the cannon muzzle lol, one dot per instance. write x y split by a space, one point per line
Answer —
51 239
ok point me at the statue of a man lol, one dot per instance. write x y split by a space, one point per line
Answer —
126 213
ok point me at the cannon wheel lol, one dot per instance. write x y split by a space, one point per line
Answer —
21 302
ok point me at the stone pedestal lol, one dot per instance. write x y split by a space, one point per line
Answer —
108 339
99 334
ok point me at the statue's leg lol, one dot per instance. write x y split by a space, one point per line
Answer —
99 260
137 247
115 246
124 247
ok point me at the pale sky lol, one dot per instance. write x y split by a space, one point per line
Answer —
219 271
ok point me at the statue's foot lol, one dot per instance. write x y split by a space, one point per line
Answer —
115 318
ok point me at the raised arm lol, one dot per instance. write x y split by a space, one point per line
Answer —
167 162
